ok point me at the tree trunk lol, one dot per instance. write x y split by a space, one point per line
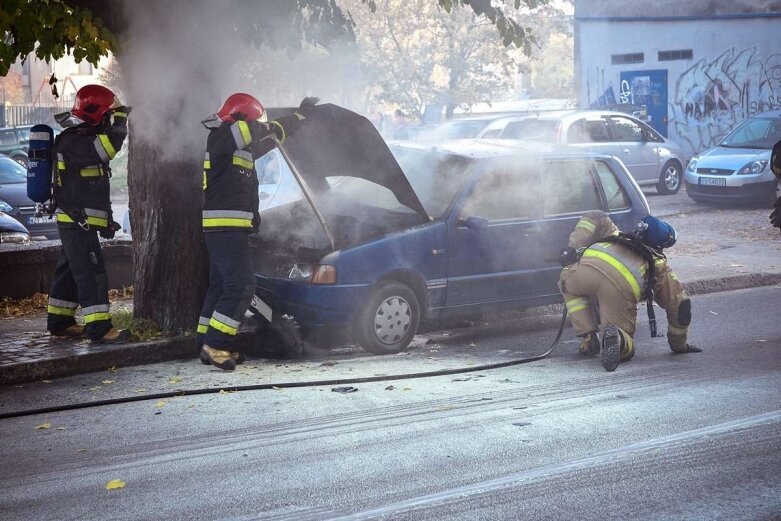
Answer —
169 257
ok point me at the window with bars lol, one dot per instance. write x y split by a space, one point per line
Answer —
621 59
681 54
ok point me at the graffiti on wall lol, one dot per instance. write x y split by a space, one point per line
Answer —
713 96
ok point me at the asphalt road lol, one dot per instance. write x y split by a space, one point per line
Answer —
664 437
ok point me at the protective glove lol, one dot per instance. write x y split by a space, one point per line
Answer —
124 109
775 217
255 222
568 255
111 231
307 104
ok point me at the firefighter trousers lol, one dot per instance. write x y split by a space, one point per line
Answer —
231 286
79 280
579 283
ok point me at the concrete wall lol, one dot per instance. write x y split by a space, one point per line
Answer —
735 71
28 269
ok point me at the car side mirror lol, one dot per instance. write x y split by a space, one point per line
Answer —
473 223
775 160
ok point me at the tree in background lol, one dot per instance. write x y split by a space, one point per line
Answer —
11 90
170 89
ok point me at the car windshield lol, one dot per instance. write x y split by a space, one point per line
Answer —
11 172
435 180
754 133
546 130
459 129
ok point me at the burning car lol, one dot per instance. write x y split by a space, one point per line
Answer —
421 233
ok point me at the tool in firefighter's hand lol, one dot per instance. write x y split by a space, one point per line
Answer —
111 230
567 256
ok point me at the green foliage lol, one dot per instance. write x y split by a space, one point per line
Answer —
51 29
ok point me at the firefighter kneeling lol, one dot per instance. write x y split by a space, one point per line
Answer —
620 269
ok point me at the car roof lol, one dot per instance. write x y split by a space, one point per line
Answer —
490 148
575 114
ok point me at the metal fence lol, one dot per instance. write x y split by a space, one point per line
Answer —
14 115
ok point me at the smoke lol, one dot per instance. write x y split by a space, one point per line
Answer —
180 59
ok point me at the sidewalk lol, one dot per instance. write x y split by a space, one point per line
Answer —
717 250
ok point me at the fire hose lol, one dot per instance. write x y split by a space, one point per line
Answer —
290 385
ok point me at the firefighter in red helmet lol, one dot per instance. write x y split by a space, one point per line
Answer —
238 135
95 129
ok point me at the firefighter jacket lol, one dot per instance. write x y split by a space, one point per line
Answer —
626 269
230 183
81 180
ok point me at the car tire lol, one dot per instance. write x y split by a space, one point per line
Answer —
389 319
670 178
279 340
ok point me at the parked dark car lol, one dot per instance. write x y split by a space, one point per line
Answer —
451 229
12 231
14 200
14 142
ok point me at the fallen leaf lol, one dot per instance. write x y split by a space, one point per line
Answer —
407 389
46 381
112 369
277 388
60 428
115 484
175 380
737 265
81 450
140 390
224 391
329 362
43 426
760 340
712 312
94 388
472 345
107 382
160 404
445 408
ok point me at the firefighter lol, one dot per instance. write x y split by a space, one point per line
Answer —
238 135
775 167
619 270
95 129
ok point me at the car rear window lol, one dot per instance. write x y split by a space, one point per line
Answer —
569 187
616 196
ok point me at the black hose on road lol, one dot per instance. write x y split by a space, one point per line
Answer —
289 385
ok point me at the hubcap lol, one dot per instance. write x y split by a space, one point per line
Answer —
392 320
671 178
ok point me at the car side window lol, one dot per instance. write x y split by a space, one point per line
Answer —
616 196
626 130
7 137
569 187
506 193
588 131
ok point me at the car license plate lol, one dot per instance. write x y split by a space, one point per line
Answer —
712 181
40 220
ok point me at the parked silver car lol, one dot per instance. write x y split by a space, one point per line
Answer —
737 168
652 159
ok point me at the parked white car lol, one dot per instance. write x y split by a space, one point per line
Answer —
652 159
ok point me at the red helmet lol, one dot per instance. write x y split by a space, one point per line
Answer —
92 102
241 106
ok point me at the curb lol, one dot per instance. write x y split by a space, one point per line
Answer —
182 347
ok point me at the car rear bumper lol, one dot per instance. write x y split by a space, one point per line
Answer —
748 192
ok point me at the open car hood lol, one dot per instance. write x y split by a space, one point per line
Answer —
335 141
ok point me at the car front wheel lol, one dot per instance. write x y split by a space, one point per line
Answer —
670 178
389 319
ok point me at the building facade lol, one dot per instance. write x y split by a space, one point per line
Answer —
699 66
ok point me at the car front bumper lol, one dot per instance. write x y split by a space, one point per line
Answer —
748 188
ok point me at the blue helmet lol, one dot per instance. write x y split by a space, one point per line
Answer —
656 232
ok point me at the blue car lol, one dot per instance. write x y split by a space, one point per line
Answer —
422 233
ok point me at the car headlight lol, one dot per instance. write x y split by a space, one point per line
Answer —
5 207
692 166
755 167
14 237
313 273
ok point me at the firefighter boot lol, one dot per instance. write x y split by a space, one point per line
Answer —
218 358
612 341
74 331
114 336
589 344
239 358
